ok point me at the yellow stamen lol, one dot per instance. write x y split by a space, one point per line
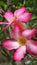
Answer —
22 40
14 18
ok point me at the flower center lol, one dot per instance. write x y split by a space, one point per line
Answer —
22 40
14 18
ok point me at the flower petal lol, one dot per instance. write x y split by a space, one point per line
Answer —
15 32
19 11
10 44
19 54
29 33
25 17
4 23
9 16
32 47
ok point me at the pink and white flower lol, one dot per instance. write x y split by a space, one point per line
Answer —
22 42
21 15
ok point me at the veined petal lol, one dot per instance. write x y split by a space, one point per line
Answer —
29 33
10 44
32 47
19 54
15 32
4 23
8 16
25 17
19 11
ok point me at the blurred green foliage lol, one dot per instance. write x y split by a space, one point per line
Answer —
31 6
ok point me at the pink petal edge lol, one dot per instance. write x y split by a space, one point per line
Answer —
32 47
25 17
19 53
10 44
19 11
29 33
4 23
8 16
15 32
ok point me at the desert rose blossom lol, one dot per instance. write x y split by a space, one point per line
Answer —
22 42
20 14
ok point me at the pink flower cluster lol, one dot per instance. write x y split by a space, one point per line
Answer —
21 15
22 42
22 39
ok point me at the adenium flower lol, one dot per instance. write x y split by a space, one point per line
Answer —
20 14
22 42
